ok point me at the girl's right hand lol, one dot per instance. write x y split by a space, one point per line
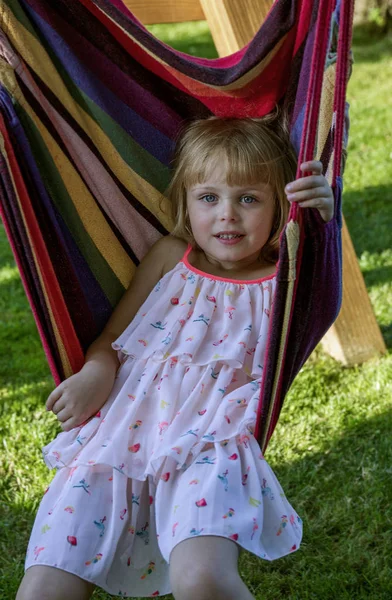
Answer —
81 396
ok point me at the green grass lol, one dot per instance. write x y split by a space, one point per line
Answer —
332 449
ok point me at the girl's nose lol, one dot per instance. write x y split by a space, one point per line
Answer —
228 212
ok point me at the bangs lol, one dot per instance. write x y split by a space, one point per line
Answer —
244 164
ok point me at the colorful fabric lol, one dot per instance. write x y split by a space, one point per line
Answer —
90 106
171 455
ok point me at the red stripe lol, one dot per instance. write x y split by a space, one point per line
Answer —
304 15
318 67
344 42
56 301
46 346
319 54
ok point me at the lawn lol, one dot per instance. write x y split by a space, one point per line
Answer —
332 449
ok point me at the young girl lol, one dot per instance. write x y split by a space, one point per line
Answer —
160 481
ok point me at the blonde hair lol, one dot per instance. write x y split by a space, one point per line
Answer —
256 150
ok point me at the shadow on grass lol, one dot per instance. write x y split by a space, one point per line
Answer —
369 218
378 277
343 495
6 256
386 332
371 43
22 358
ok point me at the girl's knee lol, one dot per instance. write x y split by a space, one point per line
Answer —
49 583
199 585
204 568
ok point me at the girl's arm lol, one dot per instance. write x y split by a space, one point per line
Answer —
80 396
312 191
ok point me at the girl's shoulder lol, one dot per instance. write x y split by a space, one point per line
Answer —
173 250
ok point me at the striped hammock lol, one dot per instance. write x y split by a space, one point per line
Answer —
90 103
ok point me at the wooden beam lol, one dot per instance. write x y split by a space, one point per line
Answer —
165 11
233 23
355 335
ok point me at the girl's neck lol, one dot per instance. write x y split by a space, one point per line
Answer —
244 270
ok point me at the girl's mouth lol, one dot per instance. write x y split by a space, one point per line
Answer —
229 239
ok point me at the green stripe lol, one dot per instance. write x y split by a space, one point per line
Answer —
140 161
134 155
58 193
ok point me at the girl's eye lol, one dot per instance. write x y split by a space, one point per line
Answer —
208 198
248 199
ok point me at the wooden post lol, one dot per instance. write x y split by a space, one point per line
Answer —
233 23
355 335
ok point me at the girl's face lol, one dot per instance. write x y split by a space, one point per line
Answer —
231 224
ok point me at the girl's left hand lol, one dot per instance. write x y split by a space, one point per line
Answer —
312 191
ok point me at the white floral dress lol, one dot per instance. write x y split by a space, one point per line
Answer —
171 455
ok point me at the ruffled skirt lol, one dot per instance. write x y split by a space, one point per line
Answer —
171 455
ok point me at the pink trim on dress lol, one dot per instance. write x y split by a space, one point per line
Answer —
209 276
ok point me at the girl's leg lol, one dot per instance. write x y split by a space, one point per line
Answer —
49 583
205 568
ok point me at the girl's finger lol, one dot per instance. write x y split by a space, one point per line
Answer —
69 424
309 194
314 203
58 407
63 414
304 183
326 212
53 397
315 166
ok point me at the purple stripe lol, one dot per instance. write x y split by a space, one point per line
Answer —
297 128
21 240
121 6
303 83
79 287
93 73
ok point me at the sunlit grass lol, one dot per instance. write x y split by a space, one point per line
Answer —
8 274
